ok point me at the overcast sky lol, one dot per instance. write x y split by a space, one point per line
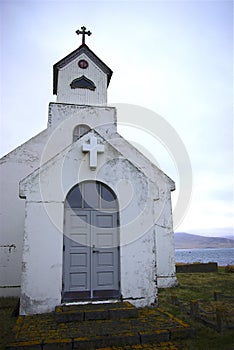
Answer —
172 57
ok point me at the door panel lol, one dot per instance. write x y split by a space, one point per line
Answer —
77 251
105 262
91 255
105 258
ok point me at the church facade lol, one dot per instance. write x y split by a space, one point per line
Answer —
85 216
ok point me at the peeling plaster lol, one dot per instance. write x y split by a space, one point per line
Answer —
142 258
29 305
9 246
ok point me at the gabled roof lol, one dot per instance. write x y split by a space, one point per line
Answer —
73 55
122 146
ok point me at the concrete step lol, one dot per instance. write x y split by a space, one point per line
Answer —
90 312
148 326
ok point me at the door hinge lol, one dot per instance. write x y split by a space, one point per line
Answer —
64 248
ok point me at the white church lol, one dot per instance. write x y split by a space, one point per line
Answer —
84 215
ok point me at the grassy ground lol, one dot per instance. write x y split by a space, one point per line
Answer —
7 320
192 286
200 286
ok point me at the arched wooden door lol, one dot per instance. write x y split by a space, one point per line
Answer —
91 243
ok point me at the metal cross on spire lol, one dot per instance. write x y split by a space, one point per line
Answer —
83 32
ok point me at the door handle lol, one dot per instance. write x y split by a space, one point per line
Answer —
95 250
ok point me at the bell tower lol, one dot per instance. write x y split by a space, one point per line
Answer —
81 77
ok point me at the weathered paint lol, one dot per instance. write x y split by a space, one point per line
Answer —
42 260
21 162
13 167
138 228
48 166
166 274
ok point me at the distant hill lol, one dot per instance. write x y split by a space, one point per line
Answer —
189 241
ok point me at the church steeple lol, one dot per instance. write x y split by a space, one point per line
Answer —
81 77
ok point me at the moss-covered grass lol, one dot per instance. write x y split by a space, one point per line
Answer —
192 286
7 320
200 286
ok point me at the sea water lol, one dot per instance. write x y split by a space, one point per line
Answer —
223 256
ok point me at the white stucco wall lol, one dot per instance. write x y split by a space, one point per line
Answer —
138 271
166 274
13 167
23 161
46 190
42 259
147 248
67 116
